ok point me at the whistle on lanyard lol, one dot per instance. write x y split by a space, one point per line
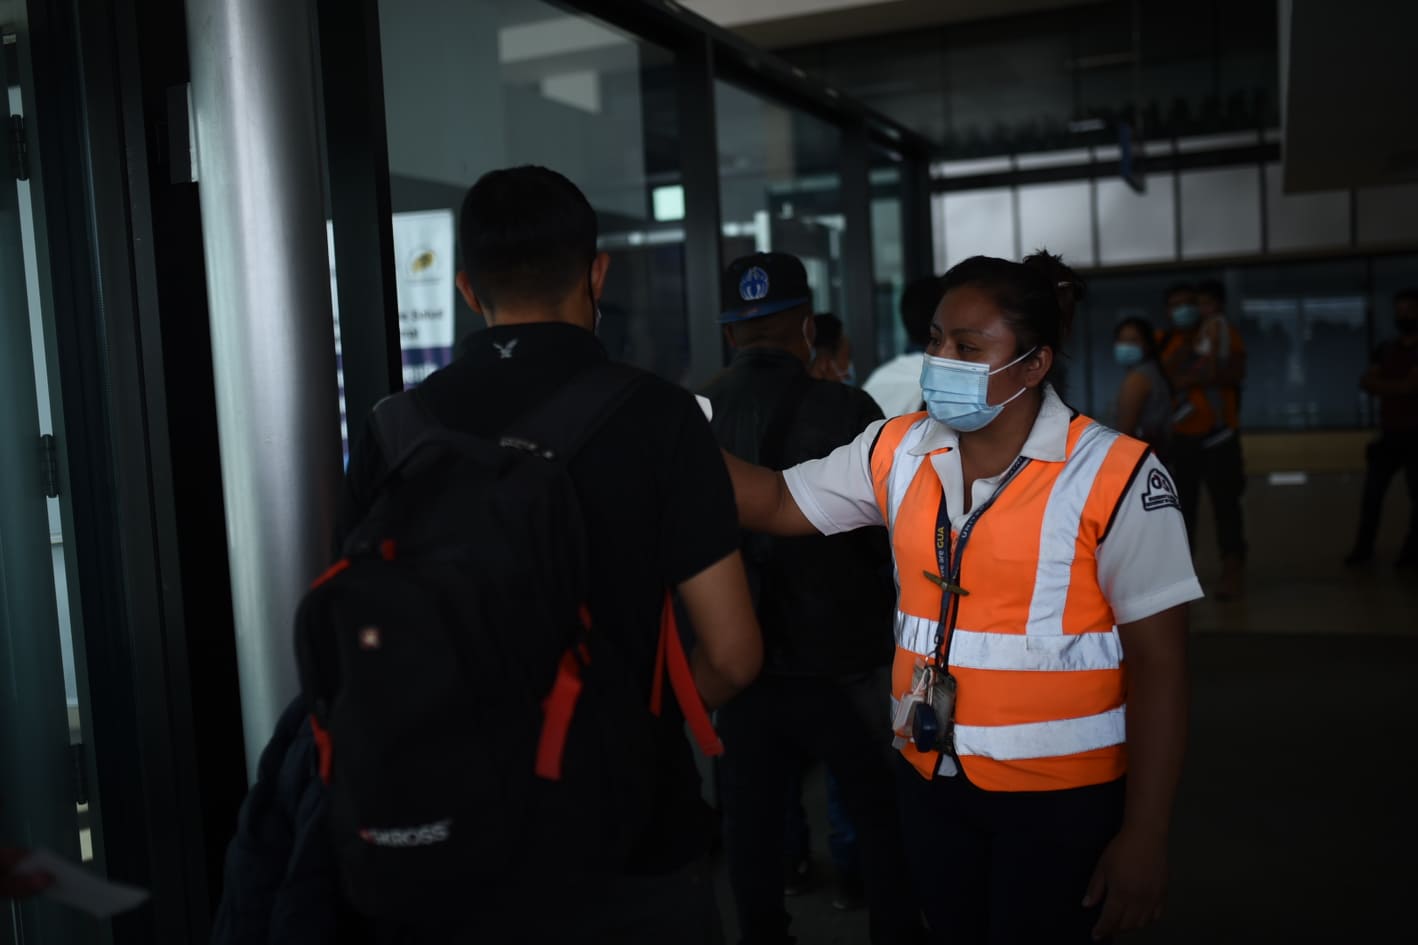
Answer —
948 587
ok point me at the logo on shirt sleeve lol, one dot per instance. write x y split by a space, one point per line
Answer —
1160 493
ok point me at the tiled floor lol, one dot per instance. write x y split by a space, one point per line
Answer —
1297 819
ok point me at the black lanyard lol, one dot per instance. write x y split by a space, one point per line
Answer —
949 564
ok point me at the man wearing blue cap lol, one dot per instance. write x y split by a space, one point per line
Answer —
825 605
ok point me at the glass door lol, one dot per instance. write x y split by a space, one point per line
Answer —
43 803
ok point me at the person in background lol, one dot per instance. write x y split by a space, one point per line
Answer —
831 351
1205 361
896 385
1392 377
1040 678
825 608
1145 399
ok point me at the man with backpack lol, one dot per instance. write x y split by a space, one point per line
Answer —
498 686
826 607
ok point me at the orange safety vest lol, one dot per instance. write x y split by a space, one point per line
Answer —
1209 411
1038 662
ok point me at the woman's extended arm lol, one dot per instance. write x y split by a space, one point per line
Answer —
765 504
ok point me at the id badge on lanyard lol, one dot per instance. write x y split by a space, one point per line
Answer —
926 716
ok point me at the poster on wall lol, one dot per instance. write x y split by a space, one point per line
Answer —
424 268
423 278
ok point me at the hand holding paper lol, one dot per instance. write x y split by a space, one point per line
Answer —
75 886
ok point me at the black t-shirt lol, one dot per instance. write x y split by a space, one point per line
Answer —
658 509
825 603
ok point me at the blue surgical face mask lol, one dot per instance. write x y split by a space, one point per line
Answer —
1127 353
957 392
1185 316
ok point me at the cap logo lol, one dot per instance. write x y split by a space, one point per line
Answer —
754 285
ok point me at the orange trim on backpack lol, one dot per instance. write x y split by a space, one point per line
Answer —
330 572
559 706
670 656
325 748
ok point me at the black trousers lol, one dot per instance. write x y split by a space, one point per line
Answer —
766 731
677 907
1387 455
1004 868
1221 469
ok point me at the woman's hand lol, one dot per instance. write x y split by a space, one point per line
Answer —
1131 882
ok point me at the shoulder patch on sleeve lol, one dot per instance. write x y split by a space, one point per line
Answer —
1159 492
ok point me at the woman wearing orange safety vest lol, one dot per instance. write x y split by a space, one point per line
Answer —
1039 687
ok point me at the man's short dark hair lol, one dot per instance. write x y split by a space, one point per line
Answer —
1176 288
528 235
1213 288
918 305
1406 295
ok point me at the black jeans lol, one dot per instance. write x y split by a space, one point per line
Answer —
766 730
1222 470
1386 456
1005 868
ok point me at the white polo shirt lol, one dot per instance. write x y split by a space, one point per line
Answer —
896 385
1144 563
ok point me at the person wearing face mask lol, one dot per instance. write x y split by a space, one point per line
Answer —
825 605
1392 377
1205 362
831 351
656 513
1144 407
1039 683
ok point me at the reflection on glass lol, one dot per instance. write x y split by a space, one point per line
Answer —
1305 328
780 188
887 253
476 86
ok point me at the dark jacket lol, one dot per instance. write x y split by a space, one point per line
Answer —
825 603
280 883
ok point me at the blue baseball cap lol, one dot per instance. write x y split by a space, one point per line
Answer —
763 284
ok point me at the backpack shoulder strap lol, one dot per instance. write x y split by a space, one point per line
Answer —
568 420
399 423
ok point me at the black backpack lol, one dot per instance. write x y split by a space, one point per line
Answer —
473 726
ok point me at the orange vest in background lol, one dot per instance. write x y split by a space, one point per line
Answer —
1209 411
1036 655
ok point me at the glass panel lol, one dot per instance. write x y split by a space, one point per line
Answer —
978 223
1304 326
476 86
1220 212
1058 217
1306 344
781 188
888 258
1303 221
43 801
1133 227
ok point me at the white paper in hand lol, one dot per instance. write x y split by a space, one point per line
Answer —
77 887
705 406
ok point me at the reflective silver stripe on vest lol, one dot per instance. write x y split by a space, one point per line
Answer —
1043 739
1072 652
916 634
903 469
1059 536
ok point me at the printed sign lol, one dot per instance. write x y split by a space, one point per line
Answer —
424 269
